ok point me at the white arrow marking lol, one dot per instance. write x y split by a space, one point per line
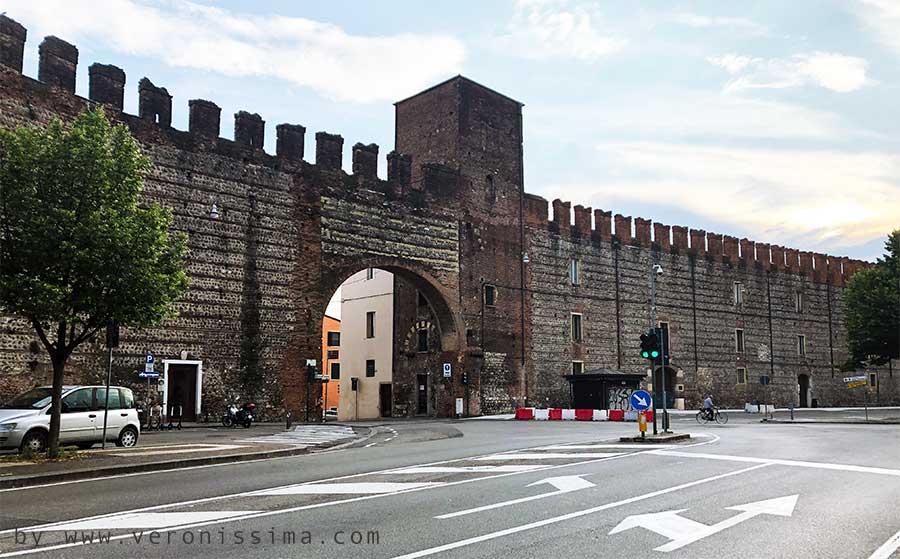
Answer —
565 483
640 400
684 531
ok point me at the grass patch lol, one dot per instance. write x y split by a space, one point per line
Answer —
29 457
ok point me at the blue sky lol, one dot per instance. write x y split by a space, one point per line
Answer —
776 121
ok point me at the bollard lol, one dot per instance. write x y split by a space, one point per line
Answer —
287 418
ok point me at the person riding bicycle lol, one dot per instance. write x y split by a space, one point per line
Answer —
708 407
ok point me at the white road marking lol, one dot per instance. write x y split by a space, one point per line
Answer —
348 488
645 446
145 520
571 515
565 483
193 448
795 463
887 548
467 469
548 455
684 531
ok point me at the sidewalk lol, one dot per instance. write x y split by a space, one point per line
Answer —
201 445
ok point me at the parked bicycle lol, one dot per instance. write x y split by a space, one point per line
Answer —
704 416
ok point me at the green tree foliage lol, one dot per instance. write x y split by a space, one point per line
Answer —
76 248
873 309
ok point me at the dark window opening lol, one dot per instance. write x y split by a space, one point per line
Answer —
423 340
370 324
490 295
336 371
333 354
370 367
334 339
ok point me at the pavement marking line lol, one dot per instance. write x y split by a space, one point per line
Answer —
644 446
563 484
780 462
194 448
348 488
468 469
571 515
145 520
548 455
887 548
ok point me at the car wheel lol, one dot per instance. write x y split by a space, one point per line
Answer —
84 446
128 437
34 441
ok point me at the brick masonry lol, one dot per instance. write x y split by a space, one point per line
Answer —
451 217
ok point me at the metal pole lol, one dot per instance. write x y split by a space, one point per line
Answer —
653 362
308 383
325 404
106 404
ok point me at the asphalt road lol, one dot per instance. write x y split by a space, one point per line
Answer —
741 490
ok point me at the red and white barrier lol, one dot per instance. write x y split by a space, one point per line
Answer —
565 414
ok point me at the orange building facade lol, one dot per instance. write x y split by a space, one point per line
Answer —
331 361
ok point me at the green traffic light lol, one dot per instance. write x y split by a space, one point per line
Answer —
655 354
645 355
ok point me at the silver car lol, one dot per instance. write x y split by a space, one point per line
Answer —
25 420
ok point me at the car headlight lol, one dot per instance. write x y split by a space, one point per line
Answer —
7 426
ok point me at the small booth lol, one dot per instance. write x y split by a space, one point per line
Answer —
603 389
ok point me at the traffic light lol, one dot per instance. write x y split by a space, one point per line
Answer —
311 372
465 378
650 345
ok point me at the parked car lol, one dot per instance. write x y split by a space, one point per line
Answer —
25 420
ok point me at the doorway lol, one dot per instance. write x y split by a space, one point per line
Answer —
385 401
183 386
422 390
803 385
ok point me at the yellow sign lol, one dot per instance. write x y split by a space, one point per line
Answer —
856 384
642 422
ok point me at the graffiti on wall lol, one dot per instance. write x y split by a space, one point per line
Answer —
620 398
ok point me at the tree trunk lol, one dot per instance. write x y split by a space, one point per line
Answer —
59 366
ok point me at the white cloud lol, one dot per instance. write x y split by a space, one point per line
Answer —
703 21
545 29
300 51
882 17
836 72
817 196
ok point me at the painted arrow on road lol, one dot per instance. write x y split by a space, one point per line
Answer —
565 483
683 531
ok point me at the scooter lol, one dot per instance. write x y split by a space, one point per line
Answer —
235 416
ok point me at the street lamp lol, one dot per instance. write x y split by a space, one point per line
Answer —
657 272
214 211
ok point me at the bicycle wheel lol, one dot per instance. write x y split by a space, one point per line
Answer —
721 417
701 418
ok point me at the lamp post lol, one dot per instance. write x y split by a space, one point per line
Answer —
656 272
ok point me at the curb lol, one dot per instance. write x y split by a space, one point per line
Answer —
40 479
832 422
657 439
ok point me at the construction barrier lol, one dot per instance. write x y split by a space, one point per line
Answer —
555 413
564 414
617 415
525 413
584 415
542 415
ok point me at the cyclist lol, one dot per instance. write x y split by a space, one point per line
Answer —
708 407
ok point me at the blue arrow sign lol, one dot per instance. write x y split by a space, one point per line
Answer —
640 400
148 375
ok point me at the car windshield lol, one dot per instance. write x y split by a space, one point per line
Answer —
35 398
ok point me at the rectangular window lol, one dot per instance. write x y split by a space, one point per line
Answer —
798 302
334 339
114 402
370 273
370 324
576 327
423 340
370 367
574 272
333 354
577 367
490 295
741 375
335 371
739 340
801 346
873 379
738 293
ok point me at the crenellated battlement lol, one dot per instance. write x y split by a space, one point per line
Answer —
57 70
678 239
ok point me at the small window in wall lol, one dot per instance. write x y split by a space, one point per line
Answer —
370 273
574 272
334 339
423 340
370 324
335 371
577 367
738 293
491 189
490 295
333 354
798 301
742 375
801 345
739 340
576 327
873 379
370 367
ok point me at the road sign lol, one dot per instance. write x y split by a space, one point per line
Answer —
148 363
310 362
683 531
856 384
855 379
642 423
447 370
148 374
640 400
764 380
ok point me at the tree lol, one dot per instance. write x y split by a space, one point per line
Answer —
76 248
872 297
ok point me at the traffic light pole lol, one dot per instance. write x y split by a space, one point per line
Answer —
658 387
653 362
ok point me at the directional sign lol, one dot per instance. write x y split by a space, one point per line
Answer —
855 379
148 363
683 531
447 370
640 400
148 374
856 384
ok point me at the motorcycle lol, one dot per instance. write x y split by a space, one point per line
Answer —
235 416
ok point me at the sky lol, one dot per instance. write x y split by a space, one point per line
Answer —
771 120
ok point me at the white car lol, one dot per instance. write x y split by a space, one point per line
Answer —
25 420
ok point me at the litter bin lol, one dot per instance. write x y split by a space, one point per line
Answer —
815 402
